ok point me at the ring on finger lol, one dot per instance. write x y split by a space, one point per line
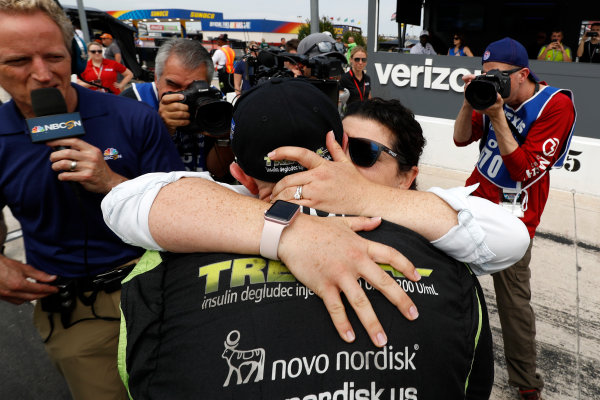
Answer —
298 194
73 165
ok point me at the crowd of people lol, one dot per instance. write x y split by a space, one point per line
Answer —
588 50
205 264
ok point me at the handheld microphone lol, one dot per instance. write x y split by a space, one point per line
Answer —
52 121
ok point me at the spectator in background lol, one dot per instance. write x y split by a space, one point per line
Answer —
458 46
555 50
339 44
350 46
101 73
112 52
79 32
291 46
241 81
423 47
282 44
264 44
589 46
223 59
535 45
356 79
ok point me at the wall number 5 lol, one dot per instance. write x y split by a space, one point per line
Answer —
572 164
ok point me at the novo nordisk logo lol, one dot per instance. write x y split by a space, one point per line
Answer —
52 127
426 76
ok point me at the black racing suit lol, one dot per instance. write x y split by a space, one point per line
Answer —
224 326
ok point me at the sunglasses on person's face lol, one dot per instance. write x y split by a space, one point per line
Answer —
456 38
357 59
95 51
365 152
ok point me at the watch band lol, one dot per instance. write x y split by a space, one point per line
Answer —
277 218
269 241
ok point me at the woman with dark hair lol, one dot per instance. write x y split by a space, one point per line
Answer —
371 173
383 143
356 79
458 46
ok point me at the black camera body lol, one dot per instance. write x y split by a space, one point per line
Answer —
481 92
327 66
271 63
209 113
592 34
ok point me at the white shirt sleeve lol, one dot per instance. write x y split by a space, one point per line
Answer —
487 237
219 58
127 206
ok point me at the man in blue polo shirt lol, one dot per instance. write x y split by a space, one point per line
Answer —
73 259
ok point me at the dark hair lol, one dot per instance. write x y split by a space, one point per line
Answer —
407 134
291 44
460 37
595 24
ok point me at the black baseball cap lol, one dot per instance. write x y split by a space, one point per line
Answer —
281 112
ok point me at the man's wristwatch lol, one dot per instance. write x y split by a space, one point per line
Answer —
277 218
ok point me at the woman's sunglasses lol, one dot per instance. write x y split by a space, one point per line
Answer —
357 59
95 51
365 152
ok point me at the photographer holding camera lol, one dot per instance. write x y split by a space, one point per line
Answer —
556 50
194 113
589 46
525 128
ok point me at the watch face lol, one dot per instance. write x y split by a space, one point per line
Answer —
282 210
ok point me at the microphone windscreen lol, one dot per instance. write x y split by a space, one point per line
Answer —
48 101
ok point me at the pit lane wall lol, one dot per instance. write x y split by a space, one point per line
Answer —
431 86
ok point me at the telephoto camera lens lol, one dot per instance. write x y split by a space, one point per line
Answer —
481 94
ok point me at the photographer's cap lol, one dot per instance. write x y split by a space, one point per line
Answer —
424 32
281 112
316 44
508 51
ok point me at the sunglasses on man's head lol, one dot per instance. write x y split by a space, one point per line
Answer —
358 59
95 51
365 152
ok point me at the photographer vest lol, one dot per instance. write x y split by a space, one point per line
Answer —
490 163
229 326
147 93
